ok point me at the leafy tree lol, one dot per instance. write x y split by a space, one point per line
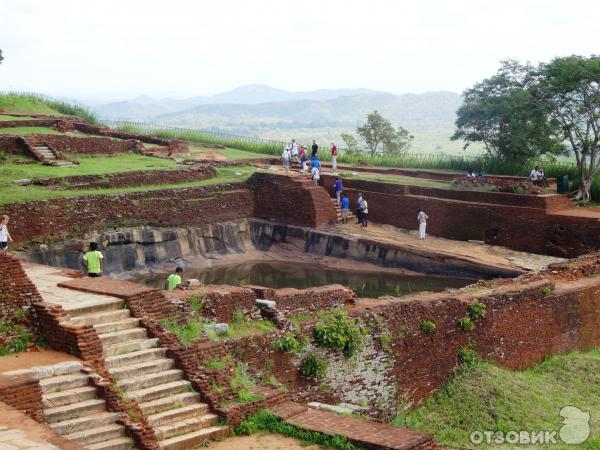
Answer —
378 130
351 142
501 113
1 57
568 90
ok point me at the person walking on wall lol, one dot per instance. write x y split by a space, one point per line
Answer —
315 149
422 219
93 260
285 158
345 208
174 280
315 175
338 189
365 213
4 234
333 157
359 206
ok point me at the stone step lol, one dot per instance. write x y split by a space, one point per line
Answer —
69 396
103 317
64 382
146 367
191 440
151 379
134 357
120 443
111 327
123 348
95 435
74 410
85 423
173 415
131 334
170 403
185 426
97 308
162 390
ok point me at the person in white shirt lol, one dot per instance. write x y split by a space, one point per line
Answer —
534 175
4 234
294 150
315 175
365 213
285 158
422 219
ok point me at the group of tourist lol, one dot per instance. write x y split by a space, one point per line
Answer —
297 155
537 177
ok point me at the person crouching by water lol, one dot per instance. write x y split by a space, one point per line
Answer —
422 219
174 280
93 260
365 213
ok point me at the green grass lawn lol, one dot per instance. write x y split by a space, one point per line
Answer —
26 104
491 398
233 153
4 117
11 193
398 179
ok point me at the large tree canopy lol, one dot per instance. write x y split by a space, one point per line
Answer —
568 90
378 130
500 113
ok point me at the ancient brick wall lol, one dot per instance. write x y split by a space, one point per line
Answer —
11 144
220 302
133 178
190 206
520 228
297 301
83 145
28 123
294 200
24 394
175 145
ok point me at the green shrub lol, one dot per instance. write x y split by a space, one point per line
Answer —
186 333
385 339
465 324
19 338
476 310
313 365
238 316
241 379
287 343
267 421
196 303
337 330
469 358
245 396
428 326
218 364
547 291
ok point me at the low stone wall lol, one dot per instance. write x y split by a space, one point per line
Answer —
23 393
192 206
28 123
11 144
298 301
133 178
83 145
294 200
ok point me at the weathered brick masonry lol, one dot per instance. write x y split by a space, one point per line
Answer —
24 394
133 178
83 145
528 227
190 206
291 199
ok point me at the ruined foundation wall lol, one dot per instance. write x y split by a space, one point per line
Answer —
525 228
192 206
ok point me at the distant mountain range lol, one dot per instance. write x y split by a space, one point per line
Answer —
260 110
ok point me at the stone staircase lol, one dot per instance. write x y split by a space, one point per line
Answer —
74 411
338 209
46 153
142 372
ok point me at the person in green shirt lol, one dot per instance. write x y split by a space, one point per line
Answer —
93 260
174 280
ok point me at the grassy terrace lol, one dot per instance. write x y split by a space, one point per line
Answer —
4 117
398 179
11 193
487 397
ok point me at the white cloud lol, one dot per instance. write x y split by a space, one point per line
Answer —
126 47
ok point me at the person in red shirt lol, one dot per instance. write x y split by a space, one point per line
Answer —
333 157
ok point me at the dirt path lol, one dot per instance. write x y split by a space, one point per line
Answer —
262 442
25 360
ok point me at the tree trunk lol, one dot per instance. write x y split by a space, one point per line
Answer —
584 189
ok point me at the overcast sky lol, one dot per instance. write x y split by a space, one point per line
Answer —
122 48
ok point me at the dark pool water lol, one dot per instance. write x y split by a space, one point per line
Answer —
301 276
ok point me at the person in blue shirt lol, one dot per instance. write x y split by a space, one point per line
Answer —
338 189
345 208
314 162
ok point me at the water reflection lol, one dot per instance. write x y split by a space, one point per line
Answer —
280 274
